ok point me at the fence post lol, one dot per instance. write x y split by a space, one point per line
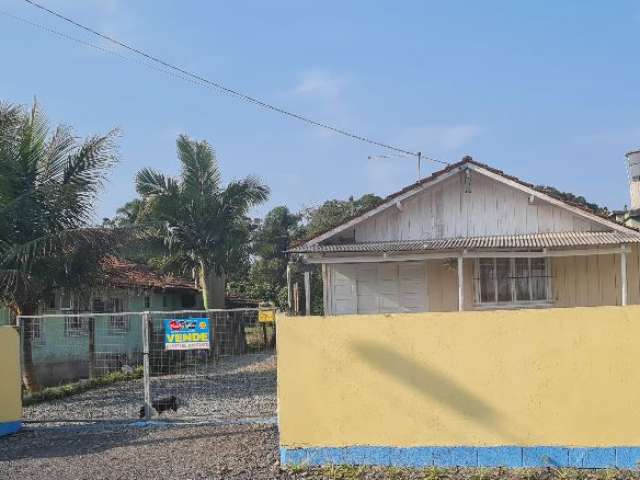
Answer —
146 319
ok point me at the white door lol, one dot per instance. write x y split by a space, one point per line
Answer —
388 288
343 298
413 288
367 287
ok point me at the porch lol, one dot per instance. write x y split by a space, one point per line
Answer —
480 273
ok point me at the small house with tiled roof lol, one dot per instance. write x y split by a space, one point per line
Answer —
472 237
61 343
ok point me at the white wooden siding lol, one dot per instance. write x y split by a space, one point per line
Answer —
377 287
491 208
367 281
343 289
412 285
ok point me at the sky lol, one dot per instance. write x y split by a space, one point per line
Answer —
547 91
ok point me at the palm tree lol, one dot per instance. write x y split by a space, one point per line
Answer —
201 221
48 188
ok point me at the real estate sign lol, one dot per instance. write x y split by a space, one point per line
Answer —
267 315
186 333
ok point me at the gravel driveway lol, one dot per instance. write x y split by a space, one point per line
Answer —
235 387
176 451
232 451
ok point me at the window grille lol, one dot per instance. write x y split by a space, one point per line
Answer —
512 281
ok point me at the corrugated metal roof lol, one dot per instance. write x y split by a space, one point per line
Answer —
526 241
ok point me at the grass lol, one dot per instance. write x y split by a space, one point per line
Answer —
350 472
255 337
62 391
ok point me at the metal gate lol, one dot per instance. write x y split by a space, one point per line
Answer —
116 366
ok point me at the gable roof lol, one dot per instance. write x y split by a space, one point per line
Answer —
494 173
118 272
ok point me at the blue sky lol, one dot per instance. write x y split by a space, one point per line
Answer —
548 91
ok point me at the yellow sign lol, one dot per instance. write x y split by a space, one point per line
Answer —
267 316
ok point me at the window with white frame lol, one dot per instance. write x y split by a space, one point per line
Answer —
512 281
118 324
76 326
36 327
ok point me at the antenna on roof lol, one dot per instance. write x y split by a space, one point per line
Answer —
387 156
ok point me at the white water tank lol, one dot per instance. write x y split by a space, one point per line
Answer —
633 163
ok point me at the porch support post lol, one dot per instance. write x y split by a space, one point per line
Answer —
289 295
623 275
307 293
460 283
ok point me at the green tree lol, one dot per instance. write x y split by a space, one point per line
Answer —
202 224
333 212
266 279
48 188
125 216
320 219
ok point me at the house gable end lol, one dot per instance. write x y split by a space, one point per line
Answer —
466 199
473 204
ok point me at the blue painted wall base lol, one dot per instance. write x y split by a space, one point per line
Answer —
507 456
7 428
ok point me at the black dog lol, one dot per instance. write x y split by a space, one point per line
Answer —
162 405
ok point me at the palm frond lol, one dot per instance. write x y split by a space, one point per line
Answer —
240 196
23 256
200 171
151 182
59 147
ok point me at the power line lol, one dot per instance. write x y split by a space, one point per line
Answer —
101 49
202 80
114 53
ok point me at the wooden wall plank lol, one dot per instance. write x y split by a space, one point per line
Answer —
633 275
491 208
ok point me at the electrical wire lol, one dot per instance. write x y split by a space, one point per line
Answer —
102 49
200 80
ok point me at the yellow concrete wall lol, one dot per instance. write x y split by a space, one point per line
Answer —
10 395
568 377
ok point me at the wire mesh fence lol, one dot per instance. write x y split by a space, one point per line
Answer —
88 367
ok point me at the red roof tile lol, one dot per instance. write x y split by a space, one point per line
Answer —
122 273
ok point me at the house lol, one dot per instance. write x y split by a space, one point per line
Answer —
127 286
471 237
60 342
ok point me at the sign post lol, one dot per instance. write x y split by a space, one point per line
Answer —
266 315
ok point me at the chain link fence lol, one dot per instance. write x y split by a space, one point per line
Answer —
117 366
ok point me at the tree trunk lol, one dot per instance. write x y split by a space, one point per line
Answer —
227 330
29 377
212 286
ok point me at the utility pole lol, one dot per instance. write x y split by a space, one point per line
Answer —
419 162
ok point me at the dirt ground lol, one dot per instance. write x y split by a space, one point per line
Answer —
176 451
188 451
234 387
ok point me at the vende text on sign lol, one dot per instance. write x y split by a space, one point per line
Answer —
186 334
